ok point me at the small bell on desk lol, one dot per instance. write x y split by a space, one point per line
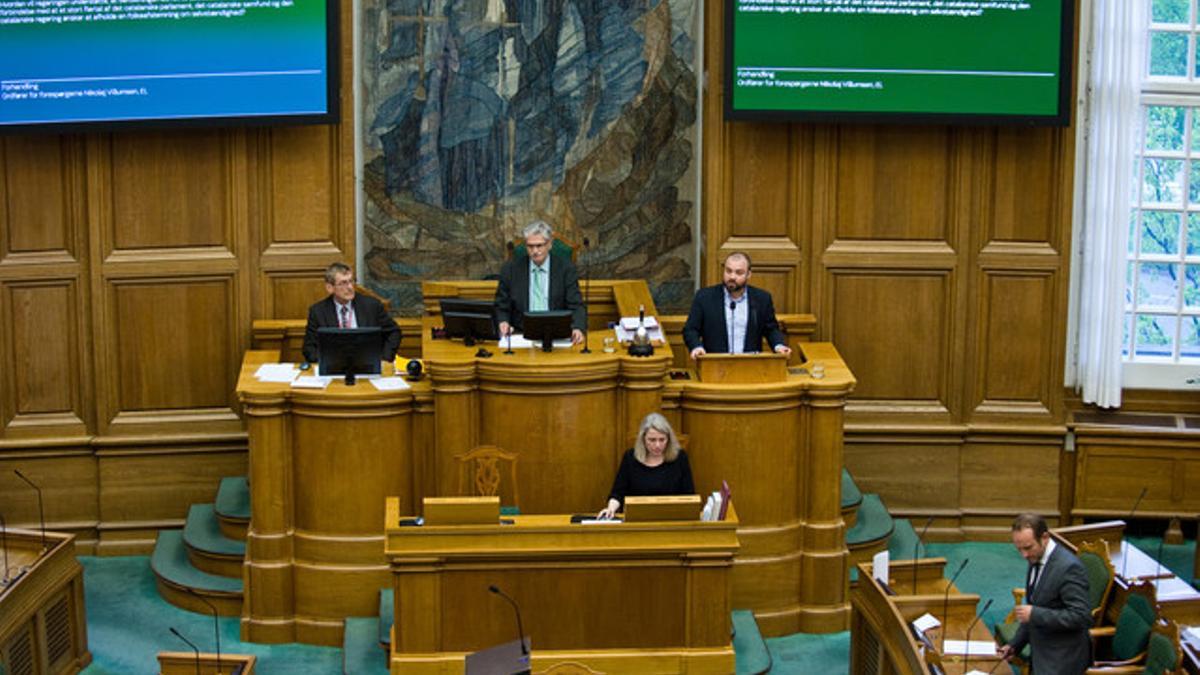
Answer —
640 346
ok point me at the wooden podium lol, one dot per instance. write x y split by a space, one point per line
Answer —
765 368
184 663
624 597
881 638
43 627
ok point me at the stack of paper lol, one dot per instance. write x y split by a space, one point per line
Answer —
628 326
276 372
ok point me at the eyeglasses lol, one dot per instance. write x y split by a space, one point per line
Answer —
343 283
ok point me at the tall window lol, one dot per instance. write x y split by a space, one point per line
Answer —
1162 290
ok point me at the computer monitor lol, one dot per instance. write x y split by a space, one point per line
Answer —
350 351
470 326
465 306
547 326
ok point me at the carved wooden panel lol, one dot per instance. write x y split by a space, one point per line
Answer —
44 359
302 185
37 180
893 183
173 343
1026 201
1003 475
171 190
916 474
893 329
759 169
67 477
1014 354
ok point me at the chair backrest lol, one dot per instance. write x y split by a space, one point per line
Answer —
1100 574
481 473
1164 655
1134 622
363 290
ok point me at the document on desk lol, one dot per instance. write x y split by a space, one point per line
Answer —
519 342
975 647
311 382
276 372
390 384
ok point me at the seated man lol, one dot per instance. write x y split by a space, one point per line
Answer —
732 317
537 281
346 309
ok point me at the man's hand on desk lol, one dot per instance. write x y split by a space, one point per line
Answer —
505 329
576 337
783 349
697 353
1023 612
1006 653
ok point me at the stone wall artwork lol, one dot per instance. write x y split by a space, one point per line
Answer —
479 116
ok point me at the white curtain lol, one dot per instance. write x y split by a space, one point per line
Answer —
1118 54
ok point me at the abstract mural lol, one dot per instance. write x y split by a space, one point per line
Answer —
479 116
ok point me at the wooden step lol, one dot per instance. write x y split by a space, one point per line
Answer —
179 582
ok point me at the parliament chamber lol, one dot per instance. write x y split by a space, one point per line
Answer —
147 273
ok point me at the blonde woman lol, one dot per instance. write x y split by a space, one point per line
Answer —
655 465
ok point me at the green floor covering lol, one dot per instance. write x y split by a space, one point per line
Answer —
128 621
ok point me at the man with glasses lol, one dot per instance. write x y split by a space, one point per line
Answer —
346 309
537 281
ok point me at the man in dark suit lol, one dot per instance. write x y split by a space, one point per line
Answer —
733 317
538 281
346 309
1056 615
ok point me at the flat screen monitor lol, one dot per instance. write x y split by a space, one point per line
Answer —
547 326
470 326
350 351
467 306
953 62
94 66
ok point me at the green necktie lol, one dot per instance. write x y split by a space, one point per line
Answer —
539 303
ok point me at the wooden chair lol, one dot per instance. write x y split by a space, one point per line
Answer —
481 473
1128 639
1164 654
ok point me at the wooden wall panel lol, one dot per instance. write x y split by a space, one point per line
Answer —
289 294
757 152
69 490
163 328
1027 187
171 189
44 359
892 329
35 184
893 183
1012 352
302 186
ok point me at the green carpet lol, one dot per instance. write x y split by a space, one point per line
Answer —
128 625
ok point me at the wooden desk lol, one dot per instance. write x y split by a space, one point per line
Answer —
881 640
41 607
628 598
321 463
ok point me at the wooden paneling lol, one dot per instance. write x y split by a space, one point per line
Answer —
289 294
44 337
893 183
165 327
1014 359
35 186
302 186
757 152
1028 186
171 189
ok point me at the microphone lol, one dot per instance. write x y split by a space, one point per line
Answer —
978 616
946 601
216 623
917 551
732 306
517 611
4 543
41 513
587 279
189 643
1124 556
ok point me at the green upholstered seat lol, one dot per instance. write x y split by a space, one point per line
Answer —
1133 628
557 247
1162 655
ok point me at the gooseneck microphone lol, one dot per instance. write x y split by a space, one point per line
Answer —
41 512
195 649
978 616
216 623
4 543
917 551
1124 556
517 611
587 279
946 601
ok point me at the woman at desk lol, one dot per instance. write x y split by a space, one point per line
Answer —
655 465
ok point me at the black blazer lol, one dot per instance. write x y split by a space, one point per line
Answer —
512 293
706 325
368 312
1057 631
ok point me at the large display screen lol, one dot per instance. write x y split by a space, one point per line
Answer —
83 63
988 61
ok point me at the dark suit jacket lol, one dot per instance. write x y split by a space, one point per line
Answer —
706 325
368 312
512 293
1057 631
